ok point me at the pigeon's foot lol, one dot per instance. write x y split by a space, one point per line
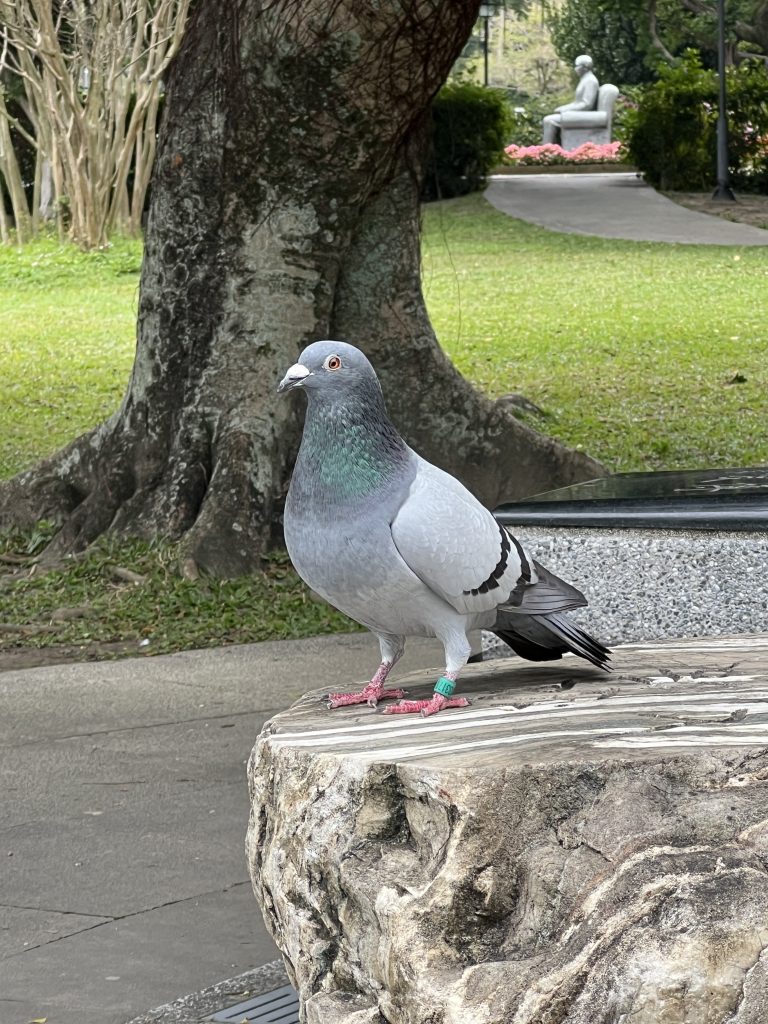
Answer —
425 708
370 695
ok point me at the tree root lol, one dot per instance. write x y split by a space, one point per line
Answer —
221 513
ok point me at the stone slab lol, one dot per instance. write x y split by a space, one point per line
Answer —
685 695
574 848
23 928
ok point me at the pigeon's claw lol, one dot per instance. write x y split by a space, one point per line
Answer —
370 695
425 708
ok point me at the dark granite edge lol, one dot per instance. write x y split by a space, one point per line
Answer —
699 522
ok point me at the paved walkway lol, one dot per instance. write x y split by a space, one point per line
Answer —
123 810
612 206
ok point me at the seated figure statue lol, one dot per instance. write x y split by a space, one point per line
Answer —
585 99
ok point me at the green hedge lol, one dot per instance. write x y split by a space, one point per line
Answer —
470 127
671 136
526 127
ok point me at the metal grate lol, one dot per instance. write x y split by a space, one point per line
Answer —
278 1007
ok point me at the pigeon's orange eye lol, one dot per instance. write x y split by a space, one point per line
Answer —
332 363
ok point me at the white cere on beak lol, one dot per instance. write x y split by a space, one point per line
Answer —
295 376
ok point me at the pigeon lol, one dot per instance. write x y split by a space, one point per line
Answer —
403 547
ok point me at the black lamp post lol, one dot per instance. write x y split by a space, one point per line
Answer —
486 10
723 189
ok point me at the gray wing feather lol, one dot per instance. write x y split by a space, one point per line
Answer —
453 543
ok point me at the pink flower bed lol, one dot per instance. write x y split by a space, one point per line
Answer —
586 153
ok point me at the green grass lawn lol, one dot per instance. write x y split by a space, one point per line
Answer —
631 348
644 355
67 337
95 611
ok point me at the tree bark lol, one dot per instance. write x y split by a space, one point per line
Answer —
284 209
379 305
11 173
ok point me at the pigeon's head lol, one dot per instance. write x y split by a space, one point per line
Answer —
330 368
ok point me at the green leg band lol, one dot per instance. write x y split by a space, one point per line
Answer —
445 687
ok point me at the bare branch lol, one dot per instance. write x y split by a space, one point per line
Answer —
654 34
91 72
17 125
698 8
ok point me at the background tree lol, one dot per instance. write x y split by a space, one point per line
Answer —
628 39
613 34
85 79
671 134
284 208
522 59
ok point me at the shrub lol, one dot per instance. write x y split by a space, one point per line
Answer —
549 153
526 128
627 103
747 87
471 124
671 136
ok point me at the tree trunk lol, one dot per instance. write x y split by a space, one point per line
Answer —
5 231
284 209
379 305
9 168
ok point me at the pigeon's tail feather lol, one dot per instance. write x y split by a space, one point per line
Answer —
548 637
577 640
549 594
528 649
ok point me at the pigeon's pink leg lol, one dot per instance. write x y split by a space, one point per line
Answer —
425 708
370 694
441 698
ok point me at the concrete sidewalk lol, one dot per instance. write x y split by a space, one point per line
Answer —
123 810
612 206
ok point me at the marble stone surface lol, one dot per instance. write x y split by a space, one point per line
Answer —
574 848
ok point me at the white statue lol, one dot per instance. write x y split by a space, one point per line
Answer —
585 99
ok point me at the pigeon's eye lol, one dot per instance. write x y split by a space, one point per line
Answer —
332 363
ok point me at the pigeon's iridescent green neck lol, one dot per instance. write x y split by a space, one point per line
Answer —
348 451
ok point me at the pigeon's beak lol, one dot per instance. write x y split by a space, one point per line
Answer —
294 378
